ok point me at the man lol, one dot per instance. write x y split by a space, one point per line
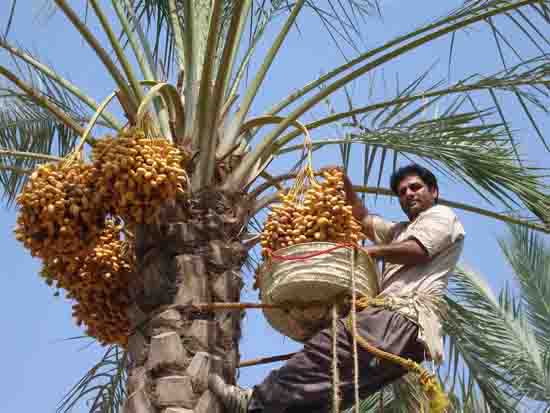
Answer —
418 257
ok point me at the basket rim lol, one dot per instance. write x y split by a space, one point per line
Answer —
334 244
287 252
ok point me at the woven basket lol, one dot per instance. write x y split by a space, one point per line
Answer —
318 280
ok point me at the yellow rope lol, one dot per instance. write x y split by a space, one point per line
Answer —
431 387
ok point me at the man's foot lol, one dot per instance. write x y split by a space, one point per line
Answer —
233 398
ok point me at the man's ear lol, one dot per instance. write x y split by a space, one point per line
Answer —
435 192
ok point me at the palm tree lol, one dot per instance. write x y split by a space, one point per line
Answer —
187 80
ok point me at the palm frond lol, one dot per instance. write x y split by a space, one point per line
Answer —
373 403
133 31
255 85
207 116
457 145
102 388
341 19
529 257
386 53
455 21
117 48
529 79
505 360
10 18
128 97
39 70
525 80
469 399
408 396
41 96
529 24
28 128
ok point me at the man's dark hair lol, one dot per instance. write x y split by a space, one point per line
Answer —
413 169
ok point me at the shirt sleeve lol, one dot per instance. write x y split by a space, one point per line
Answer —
383 230
436 229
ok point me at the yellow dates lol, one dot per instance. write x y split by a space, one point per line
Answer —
134 171
320 214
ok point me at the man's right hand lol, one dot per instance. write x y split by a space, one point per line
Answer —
358 210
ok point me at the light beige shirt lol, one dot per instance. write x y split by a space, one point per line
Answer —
417 291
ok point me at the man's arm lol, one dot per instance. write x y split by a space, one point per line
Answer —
359 211
409 252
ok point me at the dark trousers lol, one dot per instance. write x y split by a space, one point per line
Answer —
304 383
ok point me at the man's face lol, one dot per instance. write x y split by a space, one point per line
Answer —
415 196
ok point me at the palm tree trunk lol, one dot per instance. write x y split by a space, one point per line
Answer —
191 256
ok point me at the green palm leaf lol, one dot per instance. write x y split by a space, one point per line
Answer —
10 19
373 403
103 387
529 257
529 79
29 136
505 361
341 19
478 154
52 80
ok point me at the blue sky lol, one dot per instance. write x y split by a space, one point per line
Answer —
40 365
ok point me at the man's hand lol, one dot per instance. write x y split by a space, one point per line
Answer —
358 210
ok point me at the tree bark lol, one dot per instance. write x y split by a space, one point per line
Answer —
191 255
